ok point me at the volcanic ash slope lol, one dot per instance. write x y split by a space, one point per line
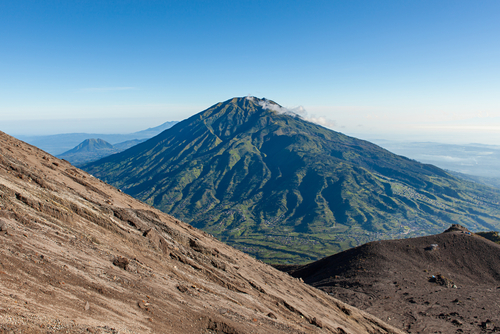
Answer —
444 283
79 256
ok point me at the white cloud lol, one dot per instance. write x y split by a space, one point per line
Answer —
297 111
323 121
268 105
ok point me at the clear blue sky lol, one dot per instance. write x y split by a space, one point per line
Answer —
399 69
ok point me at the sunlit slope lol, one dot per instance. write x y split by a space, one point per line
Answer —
284 189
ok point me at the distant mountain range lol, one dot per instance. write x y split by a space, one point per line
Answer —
61 143
287 190
94 149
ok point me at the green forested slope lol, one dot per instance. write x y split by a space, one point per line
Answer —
287 190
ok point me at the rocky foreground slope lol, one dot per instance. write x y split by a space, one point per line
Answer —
445 283
79 256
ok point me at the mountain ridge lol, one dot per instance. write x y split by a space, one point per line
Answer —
60 143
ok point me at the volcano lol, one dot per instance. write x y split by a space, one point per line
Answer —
286 190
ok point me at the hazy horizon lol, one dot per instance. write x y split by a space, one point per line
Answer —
39 127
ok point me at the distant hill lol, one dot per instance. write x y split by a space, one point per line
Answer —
94 149
433 284
287 190
91 145
61 143
487 181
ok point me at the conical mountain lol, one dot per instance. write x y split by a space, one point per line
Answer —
91 145
288 190
89 150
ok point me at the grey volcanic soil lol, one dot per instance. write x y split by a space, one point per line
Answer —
393 280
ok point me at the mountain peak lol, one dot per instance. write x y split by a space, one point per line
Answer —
254 174
92 144
89 150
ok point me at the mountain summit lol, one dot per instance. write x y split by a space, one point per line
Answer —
284 189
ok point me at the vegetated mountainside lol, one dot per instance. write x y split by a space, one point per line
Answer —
94 149
445 283
60 143
79 256
287 190
491 235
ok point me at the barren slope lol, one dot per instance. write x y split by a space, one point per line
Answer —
445 283
66 238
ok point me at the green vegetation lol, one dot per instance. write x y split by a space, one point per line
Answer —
492 236
289 191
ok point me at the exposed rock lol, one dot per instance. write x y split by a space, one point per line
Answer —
272 315
488 324
121 262
182 288
317 322
457 228
441 280
3 227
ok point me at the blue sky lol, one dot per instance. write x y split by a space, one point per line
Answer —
415 70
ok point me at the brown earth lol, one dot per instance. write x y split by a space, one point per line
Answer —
79 256
445 283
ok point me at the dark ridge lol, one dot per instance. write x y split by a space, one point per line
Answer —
416 284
